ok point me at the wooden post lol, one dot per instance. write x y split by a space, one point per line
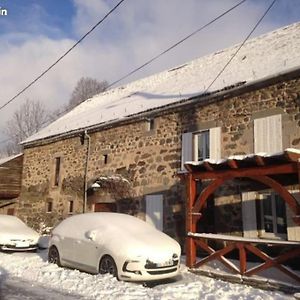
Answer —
190 221
242 257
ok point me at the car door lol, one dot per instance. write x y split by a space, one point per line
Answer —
88 250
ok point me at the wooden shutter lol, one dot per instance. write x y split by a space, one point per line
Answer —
154 211
268 134
215 143
186 148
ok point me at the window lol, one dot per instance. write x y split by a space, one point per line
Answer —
105 159
49 206
273 216
71 206
57 171
200 145
150 124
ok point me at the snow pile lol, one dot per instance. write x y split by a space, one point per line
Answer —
268 55
34 268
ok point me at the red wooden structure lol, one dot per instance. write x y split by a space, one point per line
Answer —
272 171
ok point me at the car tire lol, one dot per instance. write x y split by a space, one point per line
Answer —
53 256
108 266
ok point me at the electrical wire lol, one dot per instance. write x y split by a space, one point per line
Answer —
173 46
176 44
242 44
61 57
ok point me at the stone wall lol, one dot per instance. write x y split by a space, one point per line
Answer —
150 159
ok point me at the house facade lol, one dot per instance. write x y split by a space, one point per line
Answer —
130 162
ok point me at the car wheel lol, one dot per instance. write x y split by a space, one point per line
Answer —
53 256
108 266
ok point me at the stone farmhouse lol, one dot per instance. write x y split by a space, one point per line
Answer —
123 149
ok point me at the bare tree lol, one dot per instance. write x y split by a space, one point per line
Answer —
27 120
86 88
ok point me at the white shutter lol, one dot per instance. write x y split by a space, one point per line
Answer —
215 143
154 211
293 230
249 215
268 134
186 148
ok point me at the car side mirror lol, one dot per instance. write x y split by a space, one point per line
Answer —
91 234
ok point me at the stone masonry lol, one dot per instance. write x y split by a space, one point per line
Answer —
150 159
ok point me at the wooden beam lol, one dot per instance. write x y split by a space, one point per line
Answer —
290 168
242 257
273 262
204 195
281 190
190 222
259 160
207 166
232 163
221 258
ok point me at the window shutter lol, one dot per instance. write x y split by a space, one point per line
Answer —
186 148
154 211
249 215
268 134
215 143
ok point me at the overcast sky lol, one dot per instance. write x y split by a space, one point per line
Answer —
34 33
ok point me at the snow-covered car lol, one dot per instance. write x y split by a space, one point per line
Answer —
15 235
119 244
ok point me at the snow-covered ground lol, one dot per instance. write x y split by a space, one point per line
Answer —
38 278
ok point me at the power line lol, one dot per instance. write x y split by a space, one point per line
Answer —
242 44
176 44
61 57
173 46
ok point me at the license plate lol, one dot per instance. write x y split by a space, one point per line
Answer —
165 264
22 244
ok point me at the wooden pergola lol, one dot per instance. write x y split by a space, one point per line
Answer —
273 171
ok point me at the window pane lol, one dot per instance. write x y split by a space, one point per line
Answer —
268 216
202 145
57 171
280 215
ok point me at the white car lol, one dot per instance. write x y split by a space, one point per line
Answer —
114 243
15 235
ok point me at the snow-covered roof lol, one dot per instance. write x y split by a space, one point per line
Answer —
273 53
9 158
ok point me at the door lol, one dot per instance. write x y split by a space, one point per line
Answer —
154 211
107 207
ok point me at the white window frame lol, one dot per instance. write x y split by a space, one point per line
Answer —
188 150
195 145
263 233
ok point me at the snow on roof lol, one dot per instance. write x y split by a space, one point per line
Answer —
267 55
6 159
